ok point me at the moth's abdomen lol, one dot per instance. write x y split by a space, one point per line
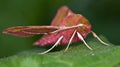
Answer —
47 39
51 39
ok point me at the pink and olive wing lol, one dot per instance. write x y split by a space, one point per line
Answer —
27 31
61 14
74 19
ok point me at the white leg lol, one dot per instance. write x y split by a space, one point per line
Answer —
80 37
94 34
58 41
70 40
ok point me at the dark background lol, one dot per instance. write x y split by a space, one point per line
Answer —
104 15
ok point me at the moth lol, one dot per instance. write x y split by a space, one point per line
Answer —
66 28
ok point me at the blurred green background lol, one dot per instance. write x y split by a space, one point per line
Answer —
104 15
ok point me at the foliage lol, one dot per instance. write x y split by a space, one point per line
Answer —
77 56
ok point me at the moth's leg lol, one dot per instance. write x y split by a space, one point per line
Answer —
58 41
80 37
94 34
70 40
66 28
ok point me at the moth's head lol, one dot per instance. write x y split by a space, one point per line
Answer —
86 26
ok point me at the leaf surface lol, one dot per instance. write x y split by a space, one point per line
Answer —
77 56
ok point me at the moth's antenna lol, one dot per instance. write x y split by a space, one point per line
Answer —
70 40
58 41
67 27
95 35
80 37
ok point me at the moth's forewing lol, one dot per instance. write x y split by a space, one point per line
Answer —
27 31
74 19
61 14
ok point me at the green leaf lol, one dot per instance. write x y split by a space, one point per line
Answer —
77 56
